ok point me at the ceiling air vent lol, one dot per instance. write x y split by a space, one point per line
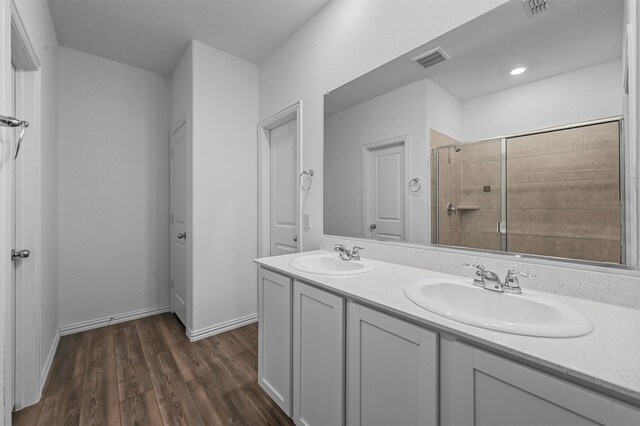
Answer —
432 57
536 7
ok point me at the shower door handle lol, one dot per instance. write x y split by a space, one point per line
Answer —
182 236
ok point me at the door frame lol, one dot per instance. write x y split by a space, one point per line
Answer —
629 135
25 358
6 207
366 150
292 112
183 121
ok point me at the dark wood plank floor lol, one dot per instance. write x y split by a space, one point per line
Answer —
146 372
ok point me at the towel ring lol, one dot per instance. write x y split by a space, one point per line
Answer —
414 185
309 174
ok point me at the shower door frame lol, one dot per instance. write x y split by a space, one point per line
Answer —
625 256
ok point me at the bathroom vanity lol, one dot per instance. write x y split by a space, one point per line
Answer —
353 349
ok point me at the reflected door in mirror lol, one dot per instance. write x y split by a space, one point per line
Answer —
384 190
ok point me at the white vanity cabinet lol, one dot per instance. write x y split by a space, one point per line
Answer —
318 357
274 337
480 388
392 367
328 360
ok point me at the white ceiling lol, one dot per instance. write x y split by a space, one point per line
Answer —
573 34
153 34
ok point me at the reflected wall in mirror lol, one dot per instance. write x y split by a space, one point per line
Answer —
449 144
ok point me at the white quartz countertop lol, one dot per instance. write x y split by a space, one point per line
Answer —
609 357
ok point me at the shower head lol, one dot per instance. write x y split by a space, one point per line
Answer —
457 148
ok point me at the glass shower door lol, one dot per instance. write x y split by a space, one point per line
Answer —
469 195
563 193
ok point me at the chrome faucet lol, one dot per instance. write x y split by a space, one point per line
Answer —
346 254
490 281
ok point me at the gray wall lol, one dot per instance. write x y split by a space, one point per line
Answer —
113 188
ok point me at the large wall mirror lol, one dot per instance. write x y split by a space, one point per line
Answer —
504 134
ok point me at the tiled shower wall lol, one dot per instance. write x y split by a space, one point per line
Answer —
563 193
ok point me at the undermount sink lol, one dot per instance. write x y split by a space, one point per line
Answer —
329 264
528 313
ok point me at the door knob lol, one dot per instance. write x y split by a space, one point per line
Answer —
21 254
295 238
182 236
373 226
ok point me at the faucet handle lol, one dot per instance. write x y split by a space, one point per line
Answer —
513 272
343 253
478 281
480 268
355 252
511 282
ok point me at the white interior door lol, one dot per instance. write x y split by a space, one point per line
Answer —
283 181
179 222
384 192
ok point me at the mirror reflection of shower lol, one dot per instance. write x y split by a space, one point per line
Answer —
552 192
6 121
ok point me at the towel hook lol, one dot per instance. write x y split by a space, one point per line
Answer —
309 174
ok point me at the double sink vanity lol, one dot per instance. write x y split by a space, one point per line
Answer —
364 342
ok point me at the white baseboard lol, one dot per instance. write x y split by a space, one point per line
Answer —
194 335
114 319
46 370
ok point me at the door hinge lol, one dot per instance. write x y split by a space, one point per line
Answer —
172 154
171 217
171 282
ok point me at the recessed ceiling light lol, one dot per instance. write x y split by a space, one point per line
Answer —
517 71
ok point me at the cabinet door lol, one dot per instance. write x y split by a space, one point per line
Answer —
625 415
274 337
485 389
318 356
391 370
